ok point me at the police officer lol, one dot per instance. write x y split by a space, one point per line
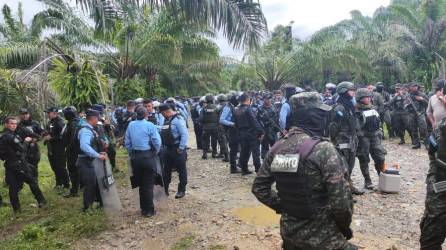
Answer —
268 117
90 148
72 150
143 142
416 105
209 119
399 115
195 114
343 128
250 134
369 136
56 148
312 195
151 114
28 127
434 218
385 115
227 120
285 110
175 139
17 169
222 139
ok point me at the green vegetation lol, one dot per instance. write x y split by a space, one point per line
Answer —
184 243
54 227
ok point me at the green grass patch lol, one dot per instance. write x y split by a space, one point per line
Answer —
184 243
54 227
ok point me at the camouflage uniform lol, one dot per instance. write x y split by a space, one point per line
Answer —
317 210
417 117
433 223
369 137
400 117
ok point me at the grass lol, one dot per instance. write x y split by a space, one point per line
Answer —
54 227
184 243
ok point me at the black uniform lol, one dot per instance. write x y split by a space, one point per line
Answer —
195 114
56 151
268 117
18 170
72 150
249 131
32 129
209 118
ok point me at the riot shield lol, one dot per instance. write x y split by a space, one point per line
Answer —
107 185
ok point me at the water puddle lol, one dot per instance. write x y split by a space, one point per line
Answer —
259 216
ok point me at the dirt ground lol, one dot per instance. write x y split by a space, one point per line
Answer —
219 211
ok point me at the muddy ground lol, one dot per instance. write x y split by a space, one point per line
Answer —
219 211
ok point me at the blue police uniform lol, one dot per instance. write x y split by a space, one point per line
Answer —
285 112
227 120
175 139
90 148
143 142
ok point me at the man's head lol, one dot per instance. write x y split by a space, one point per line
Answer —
379 87
92 117
10 123
24 114
289 90
347 89
267 100
131 106
440 85
413 87
245 99
141 112
52 112
278 95
148 104
209 99
364 96
69 112
309 113
166 110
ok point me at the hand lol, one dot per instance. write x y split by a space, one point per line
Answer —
102 156
348 233
418 98
47 137
28 139
261 137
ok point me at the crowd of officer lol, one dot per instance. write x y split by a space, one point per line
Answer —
304 141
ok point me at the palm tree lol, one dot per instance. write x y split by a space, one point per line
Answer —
241 21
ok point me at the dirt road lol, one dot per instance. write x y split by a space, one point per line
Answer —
219 212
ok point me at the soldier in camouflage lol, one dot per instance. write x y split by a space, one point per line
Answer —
433 223
369 136
312 195
416 104
344 127
400 117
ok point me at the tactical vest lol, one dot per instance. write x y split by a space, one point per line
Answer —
210 115
166 133
371 120
152 118
399 103
296 195
194 112
241 117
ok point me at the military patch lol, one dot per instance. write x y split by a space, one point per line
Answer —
288 163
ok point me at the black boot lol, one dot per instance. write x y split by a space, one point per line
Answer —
204 156
214 155
180 194
402 142
225 158
416 146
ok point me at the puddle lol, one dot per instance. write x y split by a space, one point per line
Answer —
259 216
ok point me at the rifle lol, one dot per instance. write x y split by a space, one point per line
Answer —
270 120
412 105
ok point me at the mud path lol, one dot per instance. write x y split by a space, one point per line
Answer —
219 212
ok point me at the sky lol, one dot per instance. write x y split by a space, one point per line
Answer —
308 15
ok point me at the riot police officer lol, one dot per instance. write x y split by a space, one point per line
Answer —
74 123
195 114
250 134
344 127
175 138
28 127
143 142
268 117
227 120
222 139
90 148
56 148
17 169
209 118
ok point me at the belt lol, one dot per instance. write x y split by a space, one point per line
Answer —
140 151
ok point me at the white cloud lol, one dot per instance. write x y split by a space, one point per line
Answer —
308 15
